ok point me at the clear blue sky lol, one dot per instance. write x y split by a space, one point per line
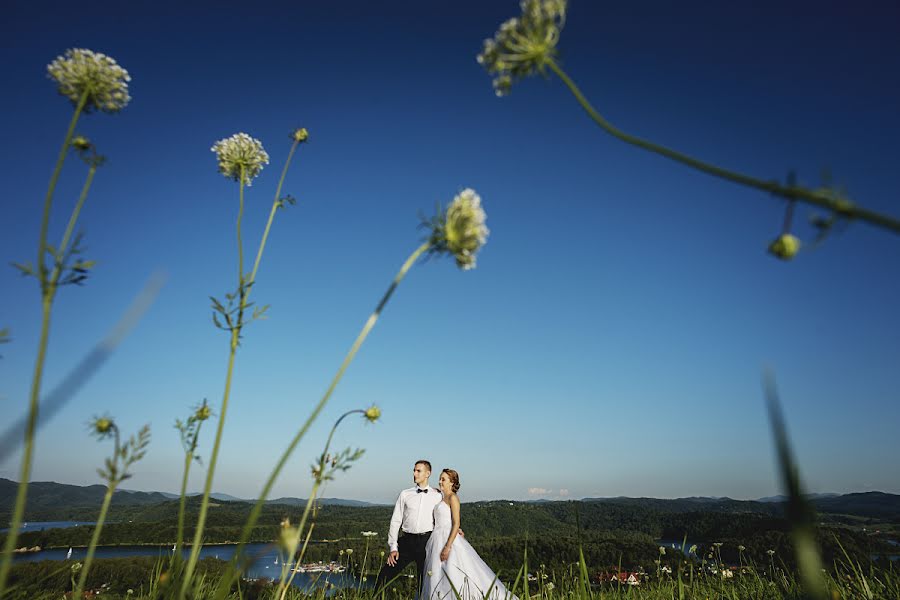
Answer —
612 339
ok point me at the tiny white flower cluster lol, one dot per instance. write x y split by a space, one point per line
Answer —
465 231
240 150
522 45
369 533
99 76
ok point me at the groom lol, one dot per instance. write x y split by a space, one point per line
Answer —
412 521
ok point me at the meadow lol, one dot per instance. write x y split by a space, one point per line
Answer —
579 563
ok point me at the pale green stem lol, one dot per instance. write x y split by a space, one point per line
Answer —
235 338
822 199
312 496
76 212
370 323
240 244
188 459
207 488
275 205
282 586
25 469
290 580
88 559
47 293
48 200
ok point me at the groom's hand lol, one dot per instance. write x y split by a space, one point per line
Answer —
393 557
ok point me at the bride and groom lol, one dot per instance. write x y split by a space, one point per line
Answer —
425 530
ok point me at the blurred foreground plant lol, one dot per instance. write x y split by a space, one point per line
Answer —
527 44
323 470
91 81
115 471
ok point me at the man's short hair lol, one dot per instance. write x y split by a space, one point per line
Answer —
424 462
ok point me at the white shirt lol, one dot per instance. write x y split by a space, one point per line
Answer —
414 513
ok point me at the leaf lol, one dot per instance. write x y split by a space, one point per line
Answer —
25 269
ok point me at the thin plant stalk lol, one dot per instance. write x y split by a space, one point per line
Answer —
244 289
223 410
821 199
363 334
188 459
95 538
286 586
310 502
47 294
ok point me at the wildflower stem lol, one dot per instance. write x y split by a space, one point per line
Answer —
46 305
370 323
207 488
240 244
823 199
73 218
188 459
95 538
275 205
48 200
235 339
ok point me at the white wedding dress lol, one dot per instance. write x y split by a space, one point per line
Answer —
464 569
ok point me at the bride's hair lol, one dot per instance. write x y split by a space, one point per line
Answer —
454 479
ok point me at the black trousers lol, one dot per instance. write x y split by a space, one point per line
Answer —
412 549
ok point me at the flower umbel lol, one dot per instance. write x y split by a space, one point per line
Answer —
523 45
785 246
102 426
461 231
373 413
97 75
240 150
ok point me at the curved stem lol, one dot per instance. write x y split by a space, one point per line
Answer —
370 323
822 199
95 538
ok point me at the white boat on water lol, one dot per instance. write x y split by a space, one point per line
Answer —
69 554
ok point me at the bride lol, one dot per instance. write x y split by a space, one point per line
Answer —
453 570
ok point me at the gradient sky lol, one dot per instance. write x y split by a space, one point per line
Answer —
612 339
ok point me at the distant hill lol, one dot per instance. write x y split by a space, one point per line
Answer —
864 504
47 496
783 498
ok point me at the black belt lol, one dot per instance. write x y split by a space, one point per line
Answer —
416 534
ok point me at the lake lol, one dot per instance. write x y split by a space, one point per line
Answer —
41 525
265 565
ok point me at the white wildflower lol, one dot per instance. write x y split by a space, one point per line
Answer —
462 230
93 75
369 533
524 45
240 151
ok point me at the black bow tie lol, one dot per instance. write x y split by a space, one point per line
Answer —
421 491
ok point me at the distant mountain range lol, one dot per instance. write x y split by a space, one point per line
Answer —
49 496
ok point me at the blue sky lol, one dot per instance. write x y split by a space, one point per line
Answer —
612 339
